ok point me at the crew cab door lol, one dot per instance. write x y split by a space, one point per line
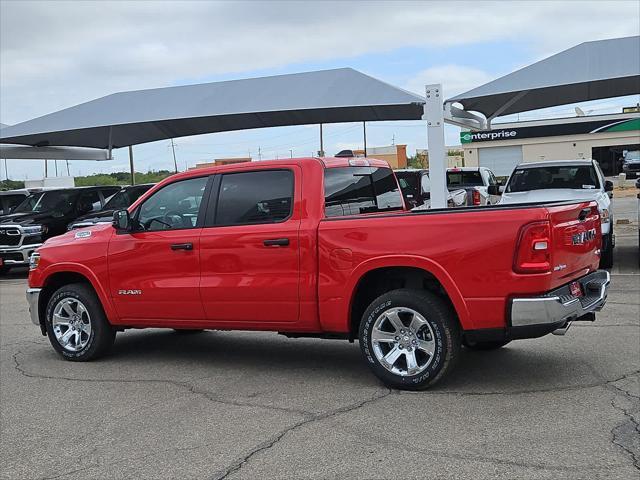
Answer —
154 271
249 248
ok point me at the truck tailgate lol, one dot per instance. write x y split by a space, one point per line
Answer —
576 240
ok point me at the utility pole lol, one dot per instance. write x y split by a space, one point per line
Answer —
173 149
6 172
46 169
291 152
321 143
393 139
68 173
133 173
259 153
55 163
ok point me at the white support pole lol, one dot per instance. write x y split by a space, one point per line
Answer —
434 115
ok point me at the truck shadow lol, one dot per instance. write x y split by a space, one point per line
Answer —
516 368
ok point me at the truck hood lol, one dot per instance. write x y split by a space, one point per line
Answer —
549 195
94 234
26 218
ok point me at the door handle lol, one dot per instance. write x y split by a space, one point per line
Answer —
276 242
182 246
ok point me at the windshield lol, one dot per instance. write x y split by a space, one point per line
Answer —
125 197
633 156
542 178
460 179
56 201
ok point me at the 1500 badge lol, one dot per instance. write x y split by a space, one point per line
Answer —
129 292
583 237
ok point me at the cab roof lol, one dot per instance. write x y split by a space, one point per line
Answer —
557 163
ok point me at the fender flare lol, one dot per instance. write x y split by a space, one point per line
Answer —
70 267
412 261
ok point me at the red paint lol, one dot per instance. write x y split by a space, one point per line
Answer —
231 280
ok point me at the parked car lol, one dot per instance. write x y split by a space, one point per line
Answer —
475 181
416 190
565 180
631 163
42 215
9 199
321 248
119 200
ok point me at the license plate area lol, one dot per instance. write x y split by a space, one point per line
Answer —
576 289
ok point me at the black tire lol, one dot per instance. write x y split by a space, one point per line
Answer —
102 334
188 331
485 345
442 329
606 257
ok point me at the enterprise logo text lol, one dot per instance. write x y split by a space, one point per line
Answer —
468 137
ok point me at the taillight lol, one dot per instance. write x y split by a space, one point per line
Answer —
533 250
475 197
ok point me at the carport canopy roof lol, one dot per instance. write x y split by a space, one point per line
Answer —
589 71
131 118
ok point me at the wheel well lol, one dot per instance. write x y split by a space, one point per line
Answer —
382 280
52 283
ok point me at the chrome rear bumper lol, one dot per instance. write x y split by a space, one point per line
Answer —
559 307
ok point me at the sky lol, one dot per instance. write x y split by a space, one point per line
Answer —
56 54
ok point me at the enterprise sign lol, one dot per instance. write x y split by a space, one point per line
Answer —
575 128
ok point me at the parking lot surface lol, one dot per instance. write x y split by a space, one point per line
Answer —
257 405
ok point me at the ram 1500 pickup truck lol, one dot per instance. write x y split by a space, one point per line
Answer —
324 248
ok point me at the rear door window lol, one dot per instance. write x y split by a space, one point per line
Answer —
356 190
462 179
264 196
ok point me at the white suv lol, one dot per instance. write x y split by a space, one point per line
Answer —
565 180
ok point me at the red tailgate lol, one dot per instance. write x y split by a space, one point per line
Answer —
576 241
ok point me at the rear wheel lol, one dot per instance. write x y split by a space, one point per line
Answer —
606 256
410 339
76 324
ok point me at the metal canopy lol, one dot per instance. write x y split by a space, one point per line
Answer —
589 71
131 118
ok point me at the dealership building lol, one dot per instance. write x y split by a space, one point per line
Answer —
604 138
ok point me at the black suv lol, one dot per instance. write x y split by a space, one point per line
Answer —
43 215
121 200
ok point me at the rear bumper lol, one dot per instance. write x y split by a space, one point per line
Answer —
559 307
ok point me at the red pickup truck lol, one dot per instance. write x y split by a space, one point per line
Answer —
324 248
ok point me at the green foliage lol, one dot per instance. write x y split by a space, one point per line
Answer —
121 178
11 184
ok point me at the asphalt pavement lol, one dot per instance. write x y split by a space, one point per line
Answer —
257 405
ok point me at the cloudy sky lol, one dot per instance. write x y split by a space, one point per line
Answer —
55 54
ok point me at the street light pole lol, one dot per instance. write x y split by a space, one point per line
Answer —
173 149
133 173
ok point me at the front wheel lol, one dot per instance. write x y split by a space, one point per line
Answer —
76 324
410 339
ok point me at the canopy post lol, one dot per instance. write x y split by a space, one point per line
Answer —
110 141
434 115
46 168
364 135
133 172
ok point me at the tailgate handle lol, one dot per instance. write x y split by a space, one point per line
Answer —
583 214
182 246
276 242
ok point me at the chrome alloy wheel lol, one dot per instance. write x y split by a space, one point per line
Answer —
403 341
71 324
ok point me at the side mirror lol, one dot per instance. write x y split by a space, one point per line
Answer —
493 190
608 186
122 220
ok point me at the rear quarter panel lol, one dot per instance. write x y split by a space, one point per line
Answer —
470 251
